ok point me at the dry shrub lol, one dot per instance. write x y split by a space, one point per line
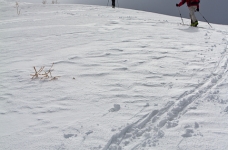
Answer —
44 75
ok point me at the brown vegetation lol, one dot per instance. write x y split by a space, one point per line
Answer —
41 74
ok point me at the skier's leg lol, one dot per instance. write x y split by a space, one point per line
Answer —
192 10
191 19
113 3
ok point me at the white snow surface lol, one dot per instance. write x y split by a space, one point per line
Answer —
125 79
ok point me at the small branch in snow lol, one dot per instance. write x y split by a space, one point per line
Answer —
44 74
54 1
44 1
18 9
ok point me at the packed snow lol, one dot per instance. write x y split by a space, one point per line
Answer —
92 77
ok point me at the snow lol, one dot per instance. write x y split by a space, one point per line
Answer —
121 79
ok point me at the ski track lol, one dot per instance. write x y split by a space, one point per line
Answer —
131 73
147 131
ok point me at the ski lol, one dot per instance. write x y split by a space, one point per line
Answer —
193 26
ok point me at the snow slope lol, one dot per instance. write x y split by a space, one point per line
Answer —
126 79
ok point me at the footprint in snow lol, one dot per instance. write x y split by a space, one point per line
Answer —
226 109
89 132
189 131
196 125
116 108
67 136
172 124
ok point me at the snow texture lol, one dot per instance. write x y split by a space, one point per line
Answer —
121 79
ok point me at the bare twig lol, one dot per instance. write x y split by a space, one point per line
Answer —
37 73
18 10
54 1
44 1
44 74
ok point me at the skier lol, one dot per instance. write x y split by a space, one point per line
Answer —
193 6
113 4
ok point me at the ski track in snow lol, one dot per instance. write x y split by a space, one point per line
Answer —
152 125
147 131
127 78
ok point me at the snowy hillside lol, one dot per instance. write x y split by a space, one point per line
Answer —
121 79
